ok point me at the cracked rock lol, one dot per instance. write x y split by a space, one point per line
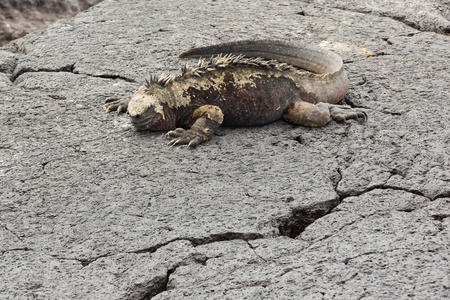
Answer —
90 208
353 249
426 16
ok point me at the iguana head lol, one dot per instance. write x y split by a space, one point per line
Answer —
145 110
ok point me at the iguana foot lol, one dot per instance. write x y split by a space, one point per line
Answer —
117 104
190 137
320 114
341 113
207 119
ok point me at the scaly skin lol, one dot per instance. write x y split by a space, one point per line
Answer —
246 83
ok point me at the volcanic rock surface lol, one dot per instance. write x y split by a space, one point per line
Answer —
91 209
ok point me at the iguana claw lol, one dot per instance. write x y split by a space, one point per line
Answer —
190 137
117 104
341 113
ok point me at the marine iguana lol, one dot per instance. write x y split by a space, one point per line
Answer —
244 83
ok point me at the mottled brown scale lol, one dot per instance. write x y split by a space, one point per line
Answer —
247 83
260 102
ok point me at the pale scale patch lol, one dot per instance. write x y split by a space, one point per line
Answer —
141 101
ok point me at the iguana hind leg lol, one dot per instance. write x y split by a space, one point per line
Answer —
320 114
207 119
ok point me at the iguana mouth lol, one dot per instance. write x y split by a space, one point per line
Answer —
143 121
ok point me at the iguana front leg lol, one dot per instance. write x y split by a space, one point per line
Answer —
207 119
320 114
117 104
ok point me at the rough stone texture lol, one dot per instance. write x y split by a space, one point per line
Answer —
431 15
91 209
18 17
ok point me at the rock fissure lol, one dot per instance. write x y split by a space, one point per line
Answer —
219 237
294 224
67 68
227 236
445 194
254 251
162 286
194 241
440 217
392 113
15 249
352 193
402 19
109 76
387 40
338 179
70 68
344 281
88 261
299 218
82 262
154 248
12 232
398 18
348 259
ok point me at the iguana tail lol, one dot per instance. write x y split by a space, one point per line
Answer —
314 59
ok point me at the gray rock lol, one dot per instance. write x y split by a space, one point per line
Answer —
92 209
367 246
423 15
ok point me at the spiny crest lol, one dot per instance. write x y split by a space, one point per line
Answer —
218 62
161 80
